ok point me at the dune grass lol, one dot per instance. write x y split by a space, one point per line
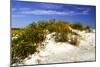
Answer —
29 37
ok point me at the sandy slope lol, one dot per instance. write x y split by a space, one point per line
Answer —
65 52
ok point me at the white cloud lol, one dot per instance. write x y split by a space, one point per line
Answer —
25 8
52 12
43 12
17 15
86 11
81 8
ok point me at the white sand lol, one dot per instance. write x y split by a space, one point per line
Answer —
65 52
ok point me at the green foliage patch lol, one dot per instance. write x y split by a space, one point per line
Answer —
29 37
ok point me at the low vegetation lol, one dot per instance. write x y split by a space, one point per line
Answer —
26 40
79 26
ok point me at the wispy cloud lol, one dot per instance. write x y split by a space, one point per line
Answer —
18 15
43 12
82 8
22 9
52 12
25 8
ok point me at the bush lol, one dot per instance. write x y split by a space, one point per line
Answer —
21 48
35 35
88 29
74 40
62 36
77 26
24 45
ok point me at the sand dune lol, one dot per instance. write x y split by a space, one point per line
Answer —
57 52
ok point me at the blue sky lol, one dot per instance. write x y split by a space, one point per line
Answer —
24 13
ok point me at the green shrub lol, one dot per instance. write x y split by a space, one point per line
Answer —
24 45
74 40
22 50
35 35
62 36
77 26
88 29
